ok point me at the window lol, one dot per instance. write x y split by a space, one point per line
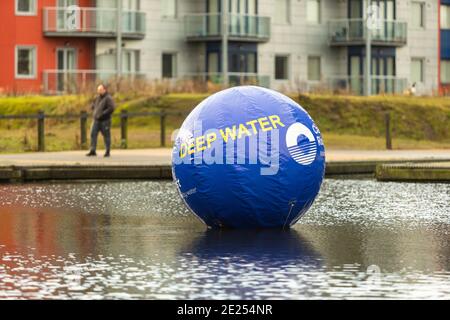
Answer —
169 8
445 16
355 9
445 71
418 14
131 5
314 69
169 65
282 11
130 61
252 7
26 7
213 62
25 62
281 68
416 70
251 62
313 11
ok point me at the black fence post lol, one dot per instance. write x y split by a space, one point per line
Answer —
387 121
83 129
163 128
41 131
124 129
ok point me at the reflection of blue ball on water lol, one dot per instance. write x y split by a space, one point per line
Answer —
248 157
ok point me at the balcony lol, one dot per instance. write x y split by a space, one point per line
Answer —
93 22
380 84
348 32
234 78
76 81
205 27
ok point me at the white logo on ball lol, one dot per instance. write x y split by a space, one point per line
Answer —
304 152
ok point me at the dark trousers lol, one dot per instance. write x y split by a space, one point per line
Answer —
104 127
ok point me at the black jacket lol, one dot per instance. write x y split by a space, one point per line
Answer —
103 107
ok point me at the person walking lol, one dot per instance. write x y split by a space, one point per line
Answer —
102 110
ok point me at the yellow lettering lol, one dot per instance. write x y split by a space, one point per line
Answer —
275 120
210 138
228 133
191 148
252 124
263 123
200 141
243 130
183 150
203 142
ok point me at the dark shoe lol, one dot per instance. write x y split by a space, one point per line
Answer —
91 154
107 154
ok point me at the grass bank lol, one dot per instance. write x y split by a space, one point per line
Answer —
347 122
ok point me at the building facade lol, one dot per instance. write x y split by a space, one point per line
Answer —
26 54
444 42
292 45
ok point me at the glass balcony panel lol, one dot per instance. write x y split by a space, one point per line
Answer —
200 26
234 78
353 31
76 81
95 22
379 84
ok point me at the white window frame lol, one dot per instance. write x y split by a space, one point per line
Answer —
174 64
74 49
424 14
320 14
16 62
422 60
447 7
34 5
175 15
288 61
442 78
288 14
320 67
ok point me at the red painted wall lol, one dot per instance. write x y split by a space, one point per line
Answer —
28 30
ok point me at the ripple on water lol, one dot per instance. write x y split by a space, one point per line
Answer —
133 240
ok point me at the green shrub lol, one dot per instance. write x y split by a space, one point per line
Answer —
411 117
420 118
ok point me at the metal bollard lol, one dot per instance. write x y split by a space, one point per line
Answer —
387 121
124 129
83 129
163 128
41 131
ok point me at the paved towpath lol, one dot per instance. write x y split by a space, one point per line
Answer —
162 157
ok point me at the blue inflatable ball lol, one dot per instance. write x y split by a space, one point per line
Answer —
248 157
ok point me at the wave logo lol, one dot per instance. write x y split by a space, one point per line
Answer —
301 144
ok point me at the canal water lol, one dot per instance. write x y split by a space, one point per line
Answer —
135 240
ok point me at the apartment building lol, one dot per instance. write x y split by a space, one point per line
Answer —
295 45
444 42
26 53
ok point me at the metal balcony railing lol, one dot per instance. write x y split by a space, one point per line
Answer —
380 84
353 32
75 81
93 22
234 78
200 27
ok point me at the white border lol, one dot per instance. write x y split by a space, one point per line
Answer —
288 66
320 67
423 60
27 13
34 66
